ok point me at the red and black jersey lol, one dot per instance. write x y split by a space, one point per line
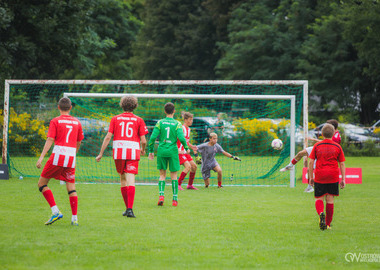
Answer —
328 154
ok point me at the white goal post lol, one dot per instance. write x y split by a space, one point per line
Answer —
292 98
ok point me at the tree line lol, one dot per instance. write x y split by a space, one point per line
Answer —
332 44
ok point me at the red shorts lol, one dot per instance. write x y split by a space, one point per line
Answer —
127 166
183 158
58 172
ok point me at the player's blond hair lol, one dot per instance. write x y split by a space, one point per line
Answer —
128 103
187 115
64 104
328 131
213 134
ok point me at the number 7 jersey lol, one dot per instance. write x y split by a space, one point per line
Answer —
127 129
66 132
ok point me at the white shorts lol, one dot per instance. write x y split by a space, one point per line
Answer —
308 150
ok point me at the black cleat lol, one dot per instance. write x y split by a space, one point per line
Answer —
322 221
129 213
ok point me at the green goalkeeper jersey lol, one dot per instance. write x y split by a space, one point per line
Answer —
167 130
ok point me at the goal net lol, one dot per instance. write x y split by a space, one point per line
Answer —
246 115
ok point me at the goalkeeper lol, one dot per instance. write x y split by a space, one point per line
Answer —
208 151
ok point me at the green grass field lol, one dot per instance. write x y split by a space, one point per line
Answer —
237 227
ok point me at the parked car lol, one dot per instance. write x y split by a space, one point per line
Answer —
353 133
374 126
205 125
93 127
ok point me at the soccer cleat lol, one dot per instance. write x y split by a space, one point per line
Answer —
191 187
220 186
161 201
180 188
74 223
206 186
129 213
54 218
309 189
329 227
175 203
322 221
287 168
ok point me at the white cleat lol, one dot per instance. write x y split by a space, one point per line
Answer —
287 168
309 189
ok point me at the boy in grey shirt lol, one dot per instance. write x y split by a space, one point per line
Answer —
208 151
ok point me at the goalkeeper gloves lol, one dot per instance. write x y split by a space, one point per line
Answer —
198 159
236 158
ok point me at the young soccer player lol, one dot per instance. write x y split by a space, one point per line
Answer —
66 133
208 151
185 159
128 131
168 130
328 154
306 152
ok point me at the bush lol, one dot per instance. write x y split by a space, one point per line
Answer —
26 136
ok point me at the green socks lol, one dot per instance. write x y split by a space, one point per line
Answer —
161 187
175 190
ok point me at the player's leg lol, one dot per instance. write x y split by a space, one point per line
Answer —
185 171
130 172
162 165
218 169
174 168
73 197
173 176
329 210
290 166
206 177
319 194
193 169
48 195
333 190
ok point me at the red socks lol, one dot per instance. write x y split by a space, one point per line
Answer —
128 194
329 213
219 184
131 196
294 161
74 205
49 197
181 177
319 206
124 193
191 178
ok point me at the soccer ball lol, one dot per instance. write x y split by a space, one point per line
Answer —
277 144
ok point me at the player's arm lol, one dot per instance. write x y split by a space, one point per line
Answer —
343 172
143 144
155 134
310 172
49 142
231 156
106 141
78 145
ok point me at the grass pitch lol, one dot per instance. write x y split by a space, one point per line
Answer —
237 227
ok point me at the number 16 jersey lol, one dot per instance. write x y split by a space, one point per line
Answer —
127 129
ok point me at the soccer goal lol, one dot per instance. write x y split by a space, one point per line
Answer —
246 115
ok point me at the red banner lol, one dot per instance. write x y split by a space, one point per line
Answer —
353 176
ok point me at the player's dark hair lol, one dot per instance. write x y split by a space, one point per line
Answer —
333 122
128 103
328 131
169 108
64 104
187 115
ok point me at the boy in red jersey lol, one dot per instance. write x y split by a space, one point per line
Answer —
326 182
185 159
306 152
128 131
66 133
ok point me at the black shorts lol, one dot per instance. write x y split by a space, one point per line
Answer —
324 189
